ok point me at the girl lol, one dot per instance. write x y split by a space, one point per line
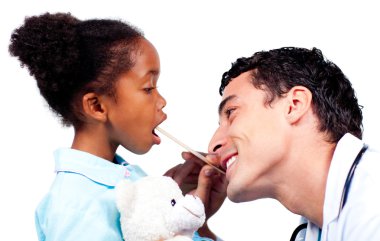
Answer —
100 77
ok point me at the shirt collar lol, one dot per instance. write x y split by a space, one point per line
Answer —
95 168
344 155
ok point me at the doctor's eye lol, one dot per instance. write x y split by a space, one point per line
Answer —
228 112
173 202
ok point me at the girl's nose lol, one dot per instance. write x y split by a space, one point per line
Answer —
161 102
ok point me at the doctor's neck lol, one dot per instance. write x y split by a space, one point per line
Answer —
303 191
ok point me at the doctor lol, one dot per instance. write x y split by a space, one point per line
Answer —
290 128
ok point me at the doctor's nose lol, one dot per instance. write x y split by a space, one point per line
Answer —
217 141
216 147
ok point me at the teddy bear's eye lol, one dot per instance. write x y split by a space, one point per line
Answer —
173 202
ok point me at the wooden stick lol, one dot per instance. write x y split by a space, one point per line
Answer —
197 154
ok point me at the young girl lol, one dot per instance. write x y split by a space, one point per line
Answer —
100 77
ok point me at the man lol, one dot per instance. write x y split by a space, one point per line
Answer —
290 129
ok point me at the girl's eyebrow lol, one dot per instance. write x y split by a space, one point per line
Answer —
224 102
153 73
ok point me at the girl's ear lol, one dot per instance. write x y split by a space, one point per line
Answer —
299 103
93 107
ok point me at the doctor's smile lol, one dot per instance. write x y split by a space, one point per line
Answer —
230 161
227 162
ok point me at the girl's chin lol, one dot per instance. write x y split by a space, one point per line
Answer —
141 149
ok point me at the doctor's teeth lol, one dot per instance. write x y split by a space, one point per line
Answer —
230 161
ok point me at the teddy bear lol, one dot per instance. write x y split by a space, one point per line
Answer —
154 209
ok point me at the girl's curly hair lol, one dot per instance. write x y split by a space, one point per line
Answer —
69 57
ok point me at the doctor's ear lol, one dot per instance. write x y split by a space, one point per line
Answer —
298 103
93 107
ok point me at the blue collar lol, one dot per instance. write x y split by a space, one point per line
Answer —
95 168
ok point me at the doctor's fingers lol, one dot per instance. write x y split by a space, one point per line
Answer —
184 173
188 156
205 183
212 158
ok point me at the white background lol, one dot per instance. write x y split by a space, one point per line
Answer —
197 41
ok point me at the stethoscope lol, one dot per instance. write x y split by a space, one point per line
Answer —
346 188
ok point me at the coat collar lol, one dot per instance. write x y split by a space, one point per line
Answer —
345 152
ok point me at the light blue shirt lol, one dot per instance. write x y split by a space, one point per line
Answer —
80 205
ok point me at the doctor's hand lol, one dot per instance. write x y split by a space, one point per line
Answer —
212 185
186 174
195 177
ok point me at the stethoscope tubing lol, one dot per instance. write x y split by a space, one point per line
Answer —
350 175
345 191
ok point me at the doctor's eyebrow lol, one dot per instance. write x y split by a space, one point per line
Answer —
224 102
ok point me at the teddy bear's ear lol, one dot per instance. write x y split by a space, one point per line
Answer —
124 195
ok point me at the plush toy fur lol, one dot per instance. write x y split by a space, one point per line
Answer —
153 208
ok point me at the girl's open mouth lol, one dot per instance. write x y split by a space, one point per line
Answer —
156 138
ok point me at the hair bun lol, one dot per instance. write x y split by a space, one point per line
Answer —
48 45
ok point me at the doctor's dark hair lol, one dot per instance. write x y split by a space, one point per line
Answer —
277 71
69 57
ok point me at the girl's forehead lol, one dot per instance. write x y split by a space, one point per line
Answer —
147 60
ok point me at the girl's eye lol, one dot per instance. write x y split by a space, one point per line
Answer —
149 90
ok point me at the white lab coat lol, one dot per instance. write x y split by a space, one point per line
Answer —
360 218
